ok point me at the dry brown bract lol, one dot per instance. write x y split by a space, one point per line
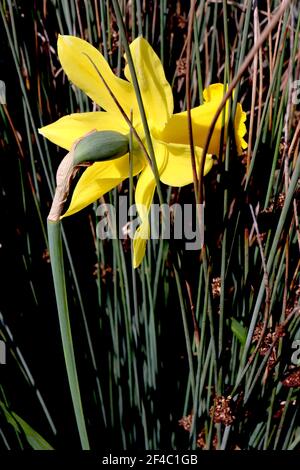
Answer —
267 342
292 380
186 422
216 287
221 411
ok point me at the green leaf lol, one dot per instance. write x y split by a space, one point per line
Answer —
34 439
239 331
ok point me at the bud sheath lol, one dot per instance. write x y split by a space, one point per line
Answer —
100 146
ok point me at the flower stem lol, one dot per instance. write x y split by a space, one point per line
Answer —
58 272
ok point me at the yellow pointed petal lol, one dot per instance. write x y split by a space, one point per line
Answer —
100 178
139 246
143 198
176 131
240 129
177 170
81 72
155 90
66 130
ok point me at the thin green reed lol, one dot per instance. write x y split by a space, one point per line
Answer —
226 197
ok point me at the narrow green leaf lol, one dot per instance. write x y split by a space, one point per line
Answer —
239 331
34 439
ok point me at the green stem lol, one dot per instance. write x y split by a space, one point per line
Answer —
58 272
186 333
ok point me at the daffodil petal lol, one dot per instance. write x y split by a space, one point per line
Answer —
155 90
100 178
176 130
139 245
66 130
240 129
143 198
177 170
73 52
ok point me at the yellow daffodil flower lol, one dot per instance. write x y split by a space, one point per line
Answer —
169 132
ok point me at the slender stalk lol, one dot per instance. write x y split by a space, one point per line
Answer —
57 265
186 333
